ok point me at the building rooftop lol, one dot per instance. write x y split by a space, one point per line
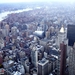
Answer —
43 62
17 73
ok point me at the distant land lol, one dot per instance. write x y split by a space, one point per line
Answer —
17 6
22 5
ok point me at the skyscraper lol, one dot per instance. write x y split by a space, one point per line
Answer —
14 30
71 54
61 35
72 61
34 56
71 34
43 67
1 40
63 48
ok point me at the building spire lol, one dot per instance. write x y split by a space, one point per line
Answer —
62 29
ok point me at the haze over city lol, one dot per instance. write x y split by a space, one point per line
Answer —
37 37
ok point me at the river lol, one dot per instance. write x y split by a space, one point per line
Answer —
5 14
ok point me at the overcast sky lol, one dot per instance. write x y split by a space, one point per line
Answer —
10 1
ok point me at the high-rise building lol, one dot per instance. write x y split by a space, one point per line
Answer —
71 62
52 30
1 59
5 30
71 34
61 35
34 56
14 30
71 48
63 48
43 67
47 34
1 40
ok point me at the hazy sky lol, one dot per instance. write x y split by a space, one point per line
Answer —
6 1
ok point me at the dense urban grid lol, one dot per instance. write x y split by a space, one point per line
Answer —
35 42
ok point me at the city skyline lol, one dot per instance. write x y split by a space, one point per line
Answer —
37 37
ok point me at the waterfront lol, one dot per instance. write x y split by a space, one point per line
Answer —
4 14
